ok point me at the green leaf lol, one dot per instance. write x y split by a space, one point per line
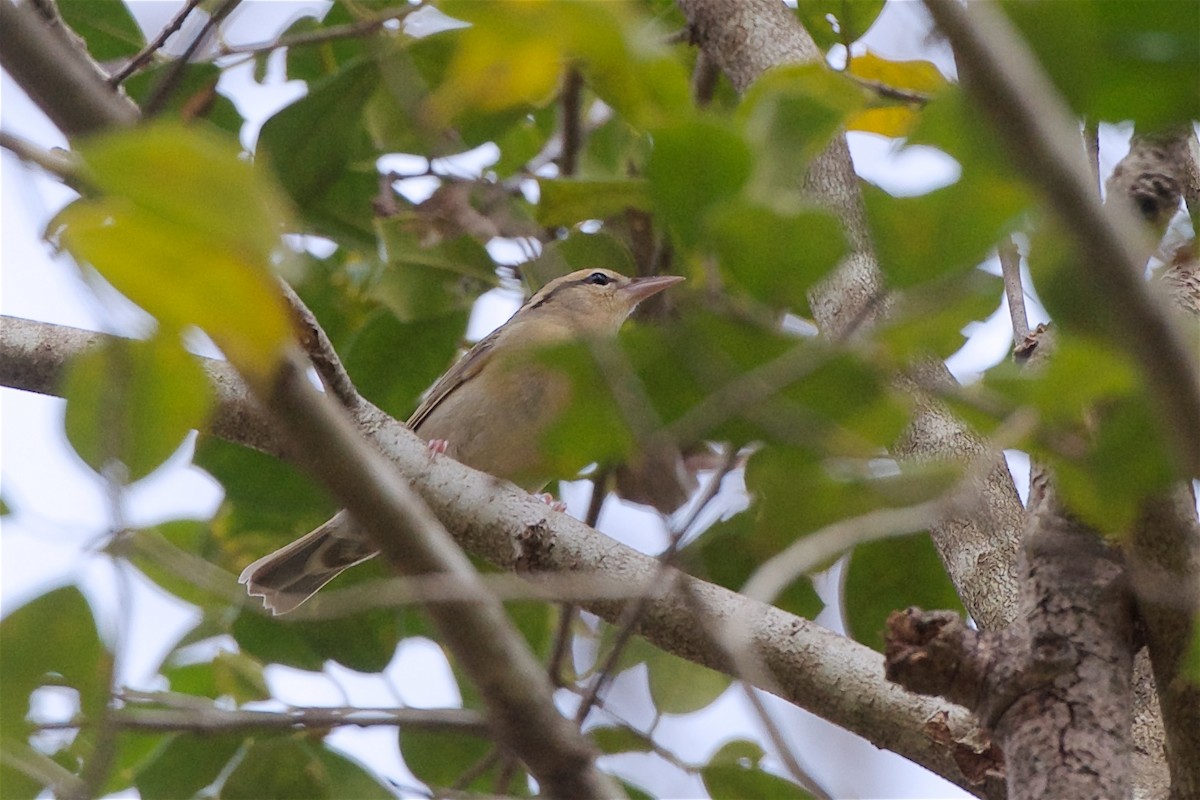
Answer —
578 251
734 782
195 96
108 28
285 769
620 740
693 167
832 22
186 764
310 142
1104 57
393 362
734 771
789 115
567 201
728 561
134 402
365 642
53 634
425 281
930 320
438 758
874 587
776 256
232 675
678 686
187 230
951 229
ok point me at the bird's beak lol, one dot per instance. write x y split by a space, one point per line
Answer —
639 289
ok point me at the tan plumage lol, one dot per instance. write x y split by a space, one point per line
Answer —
490 407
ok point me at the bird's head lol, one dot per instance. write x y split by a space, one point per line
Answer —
594 301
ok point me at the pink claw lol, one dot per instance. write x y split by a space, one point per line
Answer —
438 446
549 500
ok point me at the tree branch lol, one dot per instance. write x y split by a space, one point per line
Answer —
210 719
827 674
70 90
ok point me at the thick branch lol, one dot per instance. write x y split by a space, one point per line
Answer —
66 87
827 674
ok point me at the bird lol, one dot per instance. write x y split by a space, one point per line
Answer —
487 411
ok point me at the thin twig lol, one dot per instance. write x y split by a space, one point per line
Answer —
348 31
705 75
569 612
1010 268
59 163
152 47
320 350
166 87
210 719
572 121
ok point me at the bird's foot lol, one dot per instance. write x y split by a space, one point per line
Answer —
438 446
549 500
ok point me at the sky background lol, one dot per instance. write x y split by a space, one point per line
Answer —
62 512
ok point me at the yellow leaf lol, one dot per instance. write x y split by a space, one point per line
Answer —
914 76
894 121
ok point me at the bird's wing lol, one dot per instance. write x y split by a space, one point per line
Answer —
463 370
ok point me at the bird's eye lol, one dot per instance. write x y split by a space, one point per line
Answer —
598 278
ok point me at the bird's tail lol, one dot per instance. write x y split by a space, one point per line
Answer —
289 576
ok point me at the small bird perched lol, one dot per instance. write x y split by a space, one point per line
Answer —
489 411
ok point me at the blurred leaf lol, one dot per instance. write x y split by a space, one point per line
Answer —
431 280
1129 460
1105 57
832 22
186 230
893 117
591 427
310 142
135 402
931 319
789 115
1190 669
875 585
438 758
229 674
524 140
537 622
285 769
734 782
393 362
365 642
186 764
693 167
135 752
53 634
678 686
108 28
614 150
620 740
729 562
312 63
950 229
775 256
567 201
262 493
195 97
578 251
